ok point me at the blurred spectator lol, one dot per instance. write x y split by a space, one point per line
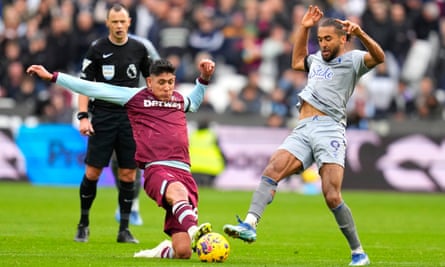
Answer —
233 35
13 27
14 78
422 56
11 53
225 11
403 33
60 44
206 37
428 21
275 103
250 52
57 108
403 104
250 99
275 121
427 104
161 12
292 82
359 109
381 85
143 19
271 48
440 70
173 33
85 32
26 97
377 23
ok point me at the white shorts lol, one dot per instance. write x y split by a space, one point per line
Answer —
317 139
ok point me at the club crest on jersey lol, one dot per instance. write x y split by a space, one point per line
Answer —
131 71
108 72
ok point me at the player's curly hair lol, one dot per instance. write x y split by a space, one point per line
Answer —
161 66
338 26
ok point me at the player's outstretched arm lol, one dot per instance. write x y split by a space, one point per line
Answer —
194 99
107 92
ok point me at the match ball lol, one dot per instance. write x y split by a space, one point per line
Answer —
310 176
213 247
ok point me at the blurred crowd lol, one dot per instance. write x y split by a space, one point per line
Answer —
251 41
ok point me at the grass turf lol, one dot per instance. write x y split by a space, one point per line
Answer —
397 229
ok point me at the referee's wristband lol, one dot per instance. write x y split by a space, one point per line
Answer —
82 115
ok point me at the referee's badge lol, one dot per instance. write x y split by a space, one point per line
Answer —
132 71
108 72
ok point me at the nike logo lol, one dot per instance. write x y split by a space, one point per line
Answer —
107 55
87 196
128 200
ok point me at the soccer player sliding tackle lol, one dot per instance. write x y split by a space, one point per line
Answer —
157 116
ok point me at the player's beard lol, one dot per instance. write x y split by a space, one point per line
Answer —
333 54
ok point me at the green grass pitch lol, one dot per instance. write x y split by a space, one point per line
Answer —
397 229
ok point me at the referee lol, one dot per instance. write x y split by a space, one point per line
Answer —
118 60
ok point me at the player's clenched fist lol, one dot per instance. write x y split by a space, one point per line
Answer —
206 67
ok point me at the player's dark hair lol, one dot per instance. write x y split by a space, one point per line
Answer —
117 7
161 66
330 22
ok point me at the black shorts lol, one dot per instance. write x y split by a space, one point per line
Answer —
112 133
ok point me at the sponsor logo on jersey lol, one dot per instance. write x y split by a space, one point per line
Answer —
132 71
107 55
156 103
108 72
321 72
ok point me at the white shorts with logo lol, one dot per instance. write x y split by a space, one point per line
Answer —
317 139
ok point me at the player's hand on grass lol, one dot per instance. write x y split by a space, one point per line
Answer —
40 71
206 67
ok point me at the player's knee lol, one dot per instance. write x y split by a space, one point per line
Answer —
332 198
183 251
127 175
93 173
176 192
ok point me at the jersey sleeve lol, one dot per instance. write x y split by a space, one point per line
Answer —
358 59
114 94
194 99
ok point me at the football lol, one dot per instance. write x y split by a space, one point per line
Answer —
213 247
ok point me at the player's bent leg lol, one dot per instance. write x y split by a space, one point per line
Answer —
242 230
360 259
163 250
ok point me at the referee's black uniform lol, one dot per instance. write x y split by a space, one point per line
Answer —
118 65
